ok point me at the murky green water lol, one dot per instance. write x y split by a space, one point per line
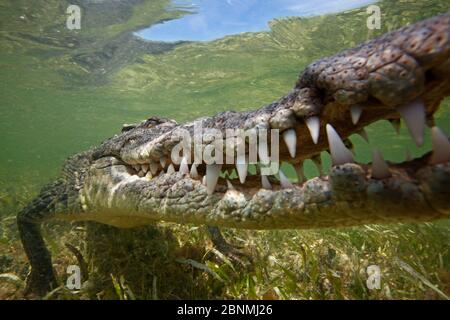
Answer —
62 90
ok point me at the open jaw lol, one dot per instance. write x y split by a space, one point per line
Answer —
402 75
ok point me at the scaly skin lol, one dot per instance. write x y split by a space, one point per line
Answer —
381 76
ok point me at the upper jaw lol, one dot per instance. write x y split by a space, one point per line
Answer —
404 74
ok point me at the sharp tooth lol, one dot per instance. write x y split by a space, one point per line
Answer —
154 167
290 138
137 167
145 168
313 124
441 146
162 161
318 162
204 180
149 175
300 174
194 173
141 174
212 175
230 185
414 116
408 156
170 169
380 169
266 183
184 168
356 112
284 181
241 167
396 124
363 135
263 153
339 153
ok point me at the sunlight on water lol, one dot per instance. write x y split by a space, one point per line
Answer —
214 19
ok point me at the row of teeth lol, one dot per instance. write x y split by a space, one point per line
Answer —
413 115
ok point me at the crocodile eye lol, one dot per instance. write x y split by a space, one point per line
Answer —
150 123
155 121
128 127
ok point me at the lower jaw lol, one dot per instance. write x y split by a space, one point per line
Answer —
416 191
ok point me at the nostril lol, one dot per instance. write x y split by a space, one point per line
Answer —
429 76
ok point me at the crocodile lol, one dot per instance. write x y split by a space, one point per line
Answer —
132 178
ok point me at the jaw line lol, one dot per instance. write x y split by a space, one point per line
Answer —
416 191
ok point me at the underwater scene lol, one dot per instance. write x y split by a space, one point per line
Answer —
96 96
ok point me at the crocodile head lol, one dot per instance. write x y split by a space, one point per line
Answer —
133 177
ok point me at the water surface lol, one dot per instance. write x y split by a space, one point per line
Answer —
214 19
